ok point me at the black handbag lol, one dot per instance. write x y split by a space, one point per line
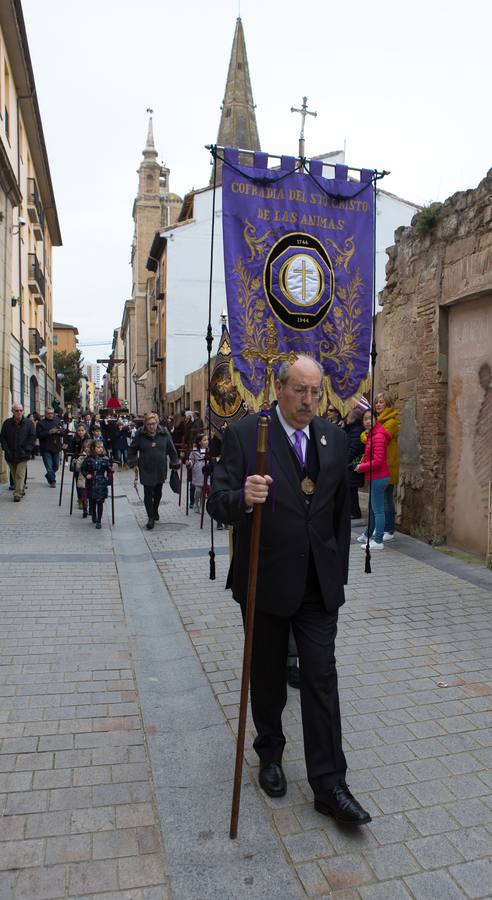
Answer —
174 482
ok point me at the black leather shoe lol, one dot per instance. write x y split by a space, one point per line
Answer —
342 806
272 780
150 524
294 676
156 517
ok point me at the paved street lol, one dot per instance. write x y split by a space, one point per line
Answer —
119 686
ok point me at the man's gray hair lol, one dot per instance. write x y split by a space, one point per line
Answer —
285 367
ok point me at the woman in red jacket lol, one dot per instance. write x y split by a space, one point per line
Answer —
378 473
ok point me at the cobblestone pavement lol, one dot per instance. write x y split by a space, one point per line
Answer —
77 817
80 788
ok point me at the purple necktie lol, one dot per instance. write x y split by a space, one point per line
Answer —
298 447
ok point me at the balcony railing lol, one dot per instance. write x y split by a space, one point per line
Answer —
35 278
36 343
35 208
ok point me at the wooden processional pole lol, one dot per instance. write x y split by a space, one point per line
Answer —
256 515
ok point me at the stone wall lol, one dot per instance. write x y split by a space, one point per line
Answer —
426 276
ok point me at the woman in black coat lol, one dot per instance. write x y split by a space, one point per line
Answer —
354 429
148 453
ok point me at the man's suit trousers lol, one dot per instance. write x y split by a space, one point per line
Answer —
315 632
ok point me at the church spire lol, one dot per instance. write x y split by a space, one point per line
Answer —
238 126
149 150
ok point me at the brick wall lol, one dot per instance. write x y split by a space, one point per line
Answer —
426 275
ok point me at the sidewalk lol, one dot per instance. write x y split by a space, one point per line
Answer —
119 687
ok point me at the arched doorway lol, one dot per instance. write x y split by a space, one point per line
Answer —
33 394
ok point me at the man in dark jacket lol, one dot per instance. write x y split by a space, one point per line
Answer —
148 453
49 432
18 437
303 566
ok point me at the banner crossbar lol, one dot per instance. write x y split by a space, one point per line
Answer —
301 159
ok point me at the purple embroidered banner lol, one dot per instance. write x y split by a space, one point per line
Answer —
299 259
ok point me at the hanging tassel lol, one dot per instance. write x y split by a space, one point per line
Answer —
367 568
211 553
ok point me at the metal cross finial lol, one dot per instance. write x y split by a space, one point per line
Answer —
304 111
150 111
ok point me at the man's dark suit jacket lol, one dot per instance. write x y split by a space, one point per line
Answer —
291 528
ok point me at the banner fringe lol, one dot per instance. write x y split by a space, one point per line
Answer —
344 406
254 404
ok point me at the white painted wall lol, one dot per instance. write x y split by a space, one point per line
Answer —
188 268
188 273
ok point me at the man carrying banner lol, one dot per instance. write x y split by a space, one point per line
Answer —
303 565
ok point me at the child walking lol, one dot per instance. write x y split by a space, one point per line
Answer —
98 472
80 482
196 464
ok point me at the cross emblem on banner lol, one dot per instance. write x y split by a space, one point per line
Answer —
269 355
302 272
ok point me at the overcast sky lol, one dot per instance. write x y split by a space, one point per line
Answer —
404 88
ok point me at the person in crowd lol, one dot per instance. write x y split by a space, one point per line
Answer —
215 451
97 435
388 417
80 437
80 482
196 465
70 423
355 451
119 441
49 432
375 466
98 472
148 454
108 432
188 439
332 414
179 431
34 417
197 427
74 449
17 438
303 564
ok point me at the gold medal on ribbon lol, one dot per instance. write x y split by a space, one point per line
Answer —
308 487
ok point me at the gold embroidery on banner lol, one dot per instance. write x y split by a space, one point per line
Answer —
256 245
342 336
343 257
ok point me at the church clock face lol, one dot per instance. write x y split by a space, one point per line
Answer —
298 280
